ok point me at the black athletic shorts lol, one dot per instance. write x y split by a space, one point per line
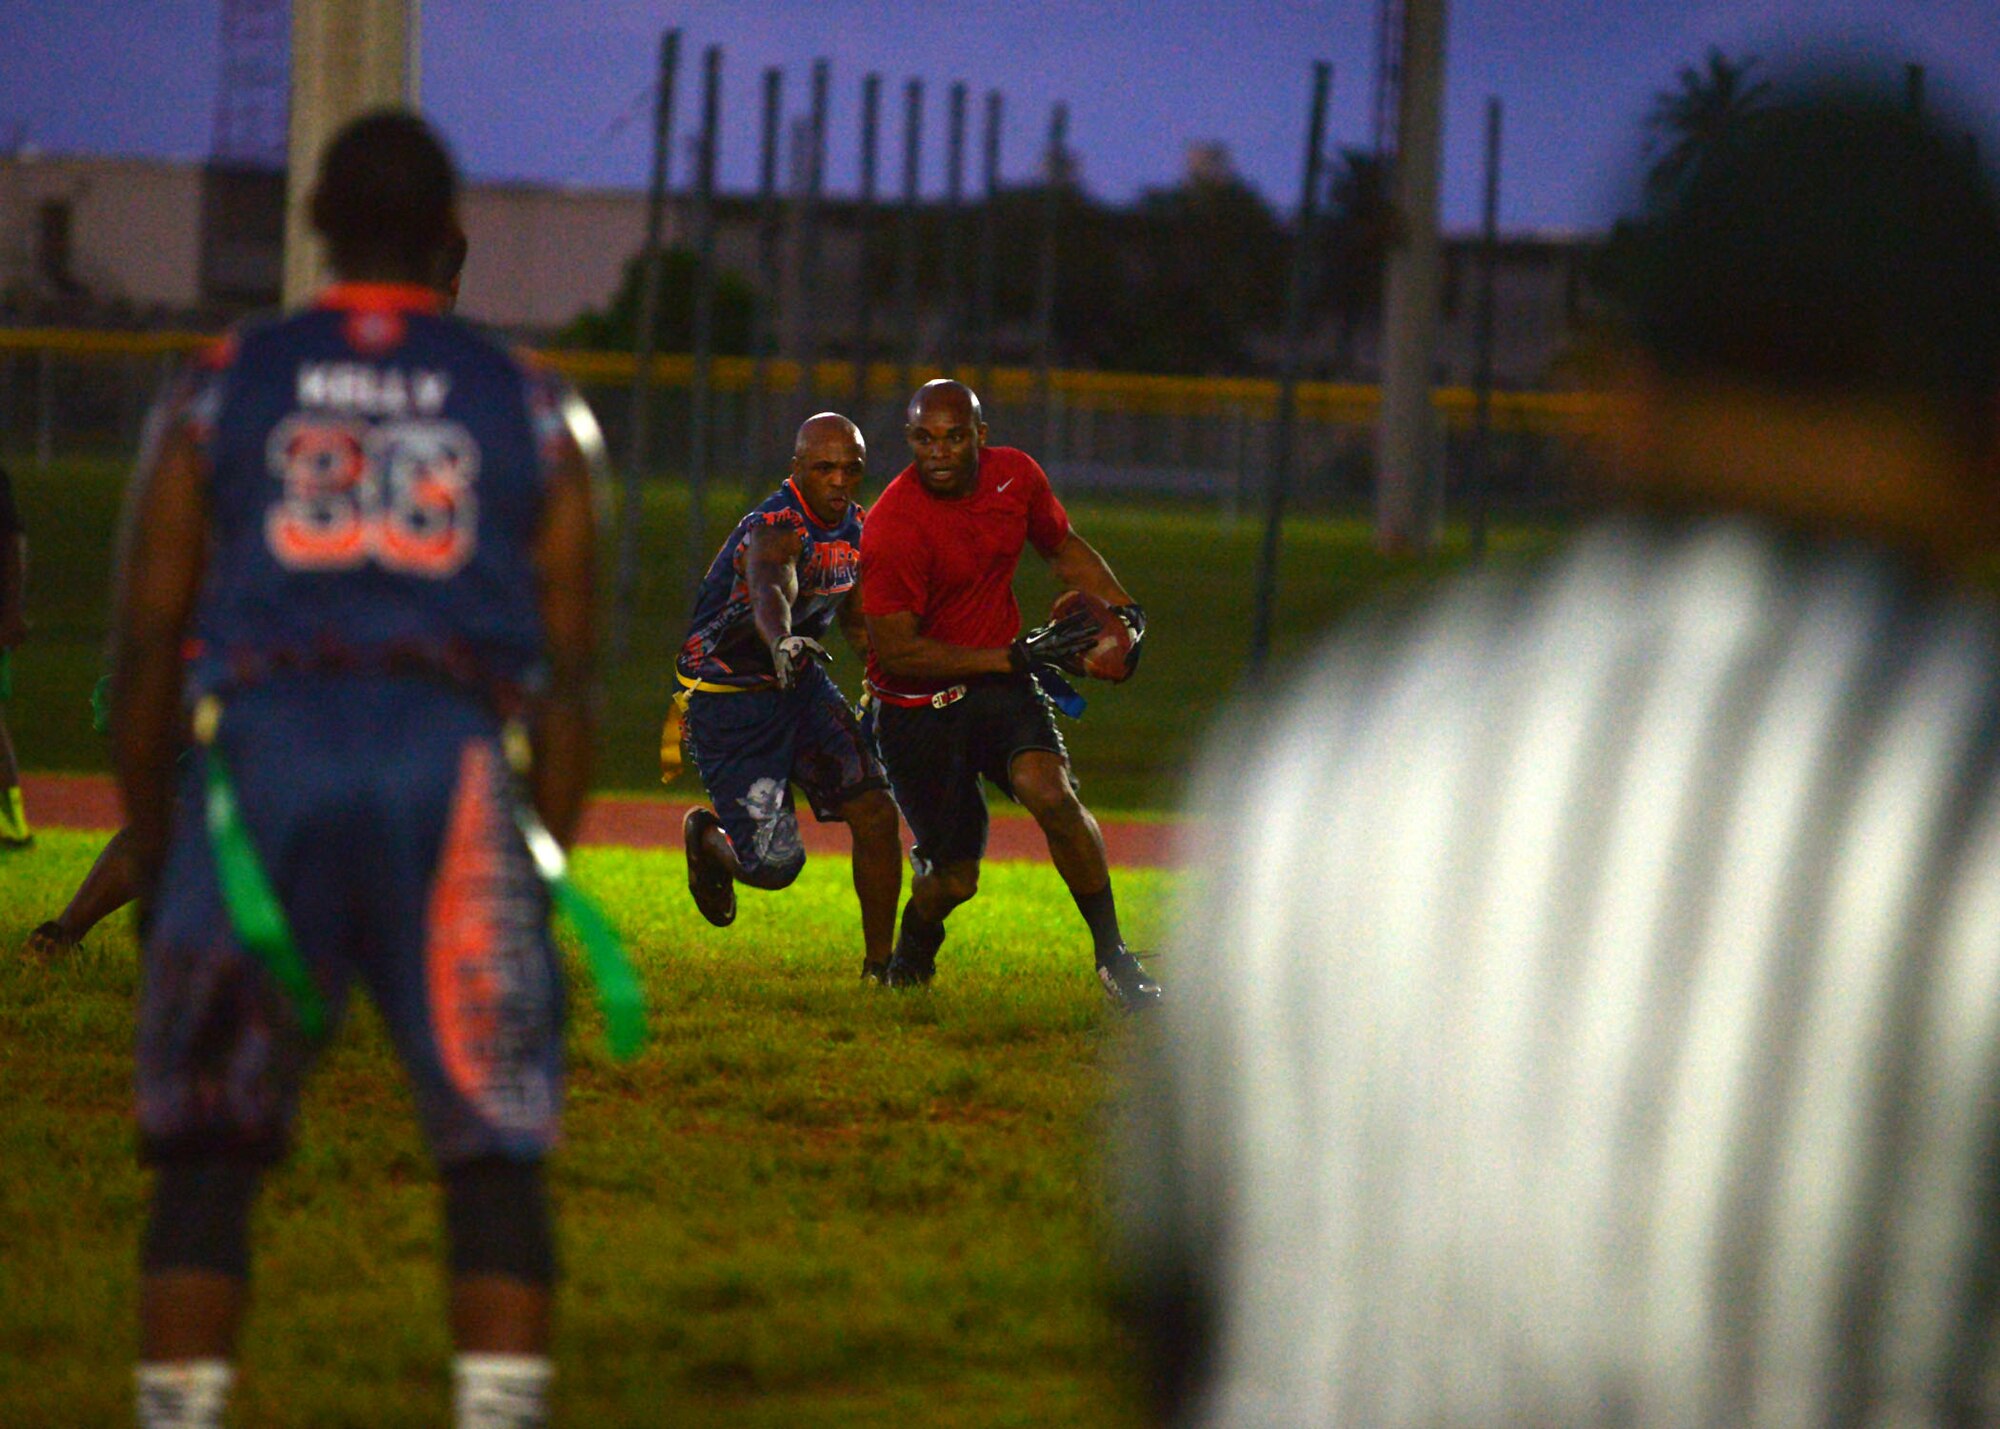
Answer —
936 757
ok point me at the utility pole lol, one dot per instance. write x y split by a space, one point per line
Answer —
1405 502
639 453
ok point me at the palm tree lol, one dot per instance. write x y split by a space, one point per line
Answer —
1688 121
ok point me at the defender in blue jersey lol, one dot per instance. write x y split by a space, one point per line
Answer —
374 525
760 712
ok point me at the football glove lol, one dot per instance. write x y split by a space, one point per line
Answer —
791 653
1057 644
1134 616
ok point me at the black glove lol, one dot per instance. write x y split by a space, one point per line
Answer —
791 652
1134 617
1056 644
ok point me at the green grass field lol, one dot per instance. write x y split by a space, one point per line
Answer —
1193 573
805 1203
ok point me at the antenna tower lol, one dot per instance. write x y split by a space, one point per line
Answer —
252 99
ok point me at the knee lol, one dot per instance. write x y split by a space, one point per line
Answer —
953 885
497 1220
1044 791
872 817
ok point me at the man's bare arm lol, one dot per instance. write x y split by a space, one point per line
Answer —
902 653
1077 566
163 554
853 624
566 564
771 572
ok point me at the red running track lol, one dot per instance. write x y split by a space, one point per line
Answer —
89 801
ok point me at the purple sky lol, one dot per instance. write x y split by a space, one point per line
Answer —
554 90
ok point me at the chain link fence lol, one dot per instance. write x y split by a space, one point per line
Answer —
1203 442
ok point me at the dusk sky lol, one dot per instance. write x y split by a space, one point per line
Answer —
555 90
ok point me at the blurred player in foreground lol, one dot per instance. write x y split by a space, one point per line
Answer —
377 524
954 682
113 879
1610 1028
760 711
14 832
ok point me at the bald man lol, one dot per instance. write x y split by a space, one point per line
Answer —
959 689
760 714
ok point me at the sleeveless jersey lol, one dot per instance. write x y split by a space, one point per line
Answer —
376 475
723 646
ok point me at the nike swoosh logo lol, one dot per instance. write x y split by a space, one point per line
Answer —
1004 485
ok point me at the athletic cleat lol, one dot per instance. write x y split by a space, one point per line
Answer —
714 891
909 972
50 941
1127 983
874 974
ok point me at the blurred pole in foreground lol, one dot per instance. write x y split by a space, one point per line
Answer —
1303 237
864 223
766 336
638 453
1480 477
1405 494
906 251
989 239
699 420
347 57
1055 173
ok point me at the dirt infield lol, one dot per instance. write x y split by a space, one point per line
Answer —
88 801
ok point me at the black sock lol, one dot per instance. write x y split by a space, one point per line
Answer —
919 939
1100 910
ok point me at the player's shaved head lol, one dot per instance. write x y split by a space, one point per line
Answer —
945 398
384 199
822 427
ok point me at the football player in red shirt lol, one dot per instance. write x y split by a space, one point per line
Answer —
956 693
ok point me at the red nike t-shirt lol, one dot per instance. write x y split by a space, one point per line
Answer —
952 561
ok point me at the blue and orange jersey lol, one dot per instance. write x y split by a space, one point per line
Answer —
723 646
376 475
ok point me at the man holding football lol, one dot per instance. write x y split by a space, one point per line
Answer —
959 693
759 712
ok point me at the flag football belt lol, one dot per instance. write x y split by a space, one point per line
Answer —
943 699
446 664
259 922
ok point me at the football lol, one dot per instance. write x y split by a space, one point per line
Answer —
1111 657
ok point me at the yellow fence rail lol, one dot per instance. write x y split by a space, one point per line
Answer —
1551 413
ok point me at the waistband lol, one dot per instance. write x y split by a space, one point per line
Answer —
450 665
941 699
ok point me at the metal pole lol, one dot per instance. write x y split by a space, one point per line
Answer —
704 315
1913 89
45 411
1489 254
989 239
809 305
954 194
1303 237
767 274
864 222
639 451
1055 165
906 255
1406 505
